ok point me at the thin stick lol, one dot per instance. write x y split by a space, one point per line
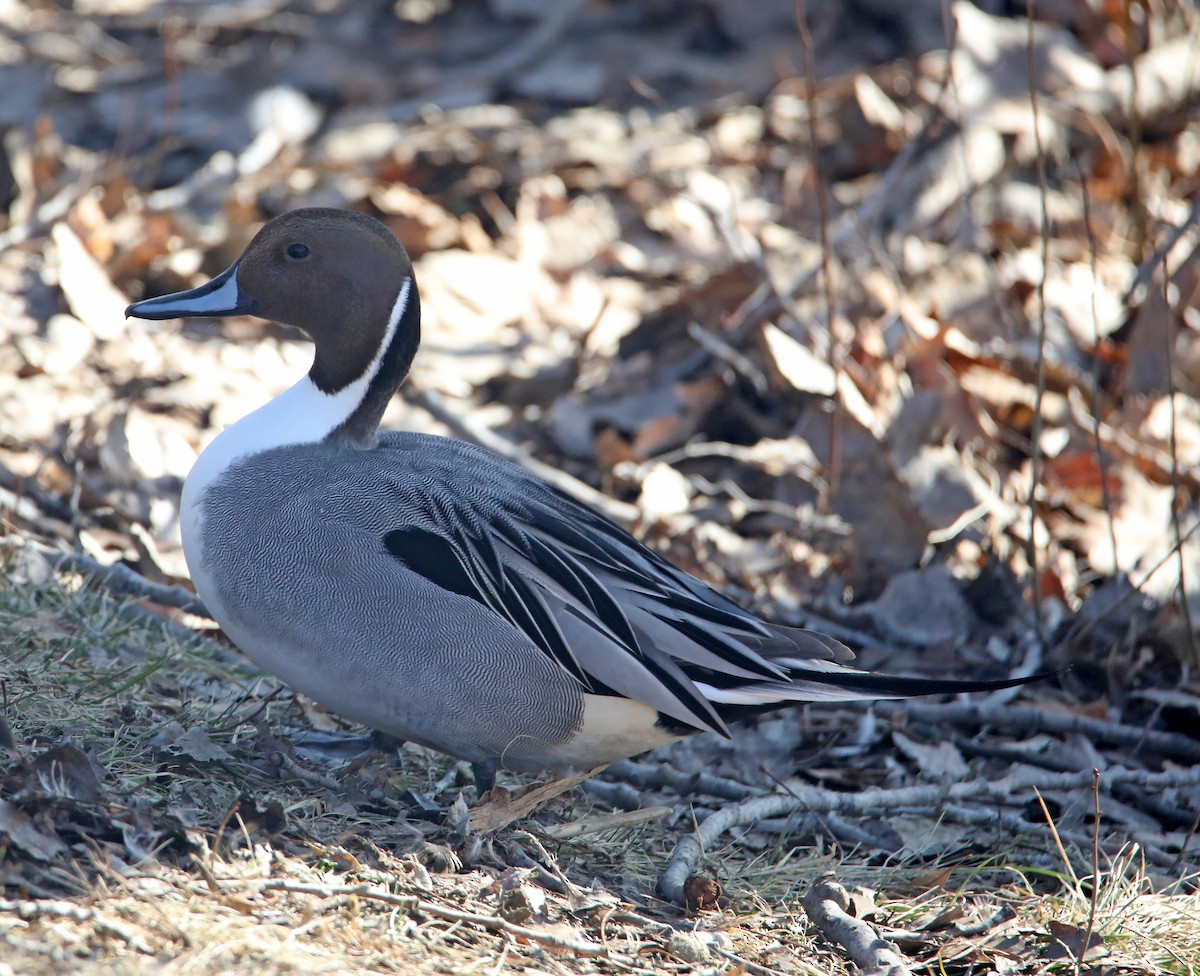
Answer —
1027 721
124 581
1173 448
804 798
1062 851
826 905
835 345
1091 921
1035 453
1187 841
411 903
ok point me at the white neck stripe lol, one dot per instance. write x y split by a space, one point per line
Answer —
343 402
301 414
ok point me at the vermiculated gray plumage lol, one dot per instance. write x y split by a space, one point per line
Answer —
492 596
434 590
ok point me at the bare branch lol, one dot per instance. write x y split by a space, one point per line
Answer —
826 905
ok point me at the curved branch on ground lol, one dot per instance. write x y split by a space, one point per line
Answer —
826 904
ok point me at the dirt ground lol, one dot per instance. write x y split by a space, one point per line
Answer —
881 318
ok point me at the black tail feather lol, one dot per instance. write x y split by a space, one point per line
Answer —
886 686
906 686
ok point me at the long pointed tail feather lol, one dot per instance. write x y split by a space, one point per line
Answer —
828 682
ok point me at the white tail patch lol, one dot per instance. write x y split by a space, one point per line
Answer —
770 693
612 728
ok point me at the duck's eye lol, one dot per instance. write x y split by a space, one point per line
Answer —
297 252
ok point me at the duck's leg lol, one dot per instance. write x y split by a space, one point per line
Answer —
485 775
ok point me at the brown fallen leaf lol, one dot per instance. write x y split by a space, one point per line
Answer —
1075 943
20 829
500 808
702 893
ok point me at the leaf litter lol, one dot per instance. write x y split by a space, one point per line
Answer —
613 213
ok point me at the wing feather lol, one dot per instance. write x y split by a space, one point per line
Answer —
612 613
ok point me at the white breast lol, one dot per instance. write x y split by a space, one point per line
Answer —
302 414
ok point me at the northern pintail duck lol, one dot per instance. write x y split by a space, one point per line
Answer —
433 590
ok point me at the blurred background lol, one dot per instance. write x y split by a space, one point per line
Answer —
882 317
844 314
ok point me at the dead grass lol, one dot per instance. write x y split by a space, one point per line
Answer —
181 825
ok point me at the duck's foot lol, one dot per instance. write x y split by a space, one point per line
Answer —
485 776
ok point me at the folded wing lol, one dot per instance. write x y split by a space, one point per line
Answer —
617 616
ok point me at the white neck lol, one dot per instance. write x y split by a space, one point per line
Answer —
301 414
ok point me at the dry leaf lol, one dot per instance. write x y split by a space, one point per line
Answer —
500 808
801 367
89 292
18 826
939 761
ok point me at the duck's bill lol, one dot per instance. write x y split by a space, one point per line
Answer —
220 296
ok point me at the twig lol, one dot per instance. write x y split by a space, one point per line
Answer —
1097 402
41 909
1091 919
810 799
410 903
974 929
662 928
754 969
1173 450
123 580
1016 824
826 904
518 857
309 775
1155 805
1028 720
720 349
1035 437
767 300
1062 851
1133 127
619 795
531 45
1077 632
550 864
649 776
844 831
1187 841
480 83
847 836
837 416
1147 268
